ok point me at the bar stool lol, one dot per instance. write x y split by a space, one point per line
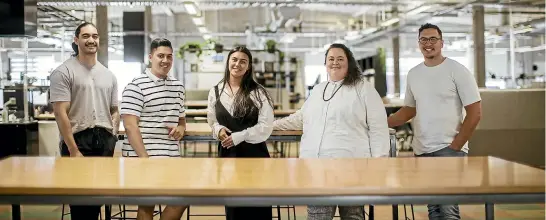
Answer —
393 152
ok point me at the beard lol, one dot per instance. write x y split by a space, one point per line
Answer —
90 51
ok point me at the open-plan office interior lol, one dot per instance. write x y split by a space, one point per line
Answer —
496 50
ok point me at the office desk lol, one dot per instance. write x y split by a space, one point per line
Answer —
242 182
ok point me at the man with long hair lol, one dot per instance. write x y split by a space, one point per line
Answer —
84 95
343 117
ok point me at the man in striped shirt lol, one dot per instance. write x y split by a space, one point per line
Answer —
152 109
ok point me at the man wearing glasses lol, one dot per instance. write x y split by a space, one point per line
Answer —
437 91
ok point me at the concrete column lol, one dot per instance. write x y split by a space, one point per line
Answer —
478 28
396 55
148 23
102 28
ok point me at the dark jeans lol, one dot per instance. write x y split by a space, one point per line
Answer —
444 212
92 142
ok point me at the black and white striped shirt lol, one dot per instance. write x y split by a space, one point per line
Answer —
159 103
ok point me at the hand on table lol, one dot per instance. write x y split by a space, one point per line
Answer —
76 153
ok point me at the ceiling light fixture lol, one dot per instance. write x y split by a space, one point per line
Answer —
190 8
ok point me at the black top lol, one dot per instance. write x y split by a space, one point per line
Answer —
250 119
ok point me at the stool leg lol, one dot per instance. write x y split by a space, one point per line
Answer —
62 213
279 212
412 212
188 215
395 212
371 216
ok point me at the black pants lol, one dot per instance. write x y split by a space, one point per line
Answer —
92 142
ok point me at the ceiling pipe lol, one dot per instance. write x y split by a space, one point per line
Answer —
400 25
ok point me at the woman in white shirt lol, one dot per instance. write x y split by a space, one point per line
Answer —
240 113
342 118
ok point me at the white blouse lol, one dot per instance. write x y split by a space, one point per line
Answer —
353 123
255 134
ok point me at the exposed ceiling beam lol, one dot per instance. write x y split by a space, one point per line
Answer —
391 29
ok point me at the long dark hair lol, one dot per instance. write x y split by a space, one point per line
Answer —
243 103
354 74
77 34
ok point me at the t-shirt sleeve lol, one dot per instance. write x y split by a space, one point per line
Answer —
409 99
115 101
132 100
467 88
59 89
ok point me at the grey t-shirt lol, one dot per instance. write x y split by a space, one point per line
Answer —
91 93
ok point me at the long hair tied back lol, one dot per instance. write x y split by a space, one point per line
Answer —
243 104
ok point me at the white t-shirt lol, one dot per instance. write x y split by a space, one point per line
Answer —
439 95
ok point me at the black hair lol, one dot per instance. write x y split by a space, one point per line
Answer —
353 70
243 104
160 42
430 26
77 34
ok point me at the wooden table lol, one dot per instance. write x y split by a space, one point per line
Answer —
264 182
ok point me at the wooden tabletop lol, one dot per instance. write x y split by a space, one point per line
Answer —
265 177
203 129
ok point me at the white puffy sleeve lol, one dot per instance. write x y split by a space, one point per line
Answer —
262 130
211 114
376 119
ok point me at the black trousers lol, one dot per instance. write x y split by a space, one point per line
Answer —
92 142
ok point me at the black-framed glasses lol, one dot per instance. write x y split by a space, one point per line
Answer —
432 40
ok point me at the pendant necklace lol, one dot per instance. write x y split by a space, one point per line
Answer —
324 92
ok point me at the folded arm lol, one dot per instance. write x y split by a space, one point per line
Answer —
262 130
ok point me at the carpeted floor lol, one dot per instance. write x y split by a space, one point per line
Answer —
468 212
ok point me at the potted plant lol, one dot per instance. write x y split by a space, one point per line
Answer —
271 46
191 48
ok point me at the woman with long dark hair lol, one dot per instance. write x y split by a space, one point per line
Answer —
240 113
343 117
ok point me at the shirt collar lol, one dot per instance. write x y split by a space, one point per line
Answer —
154 77
339 82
